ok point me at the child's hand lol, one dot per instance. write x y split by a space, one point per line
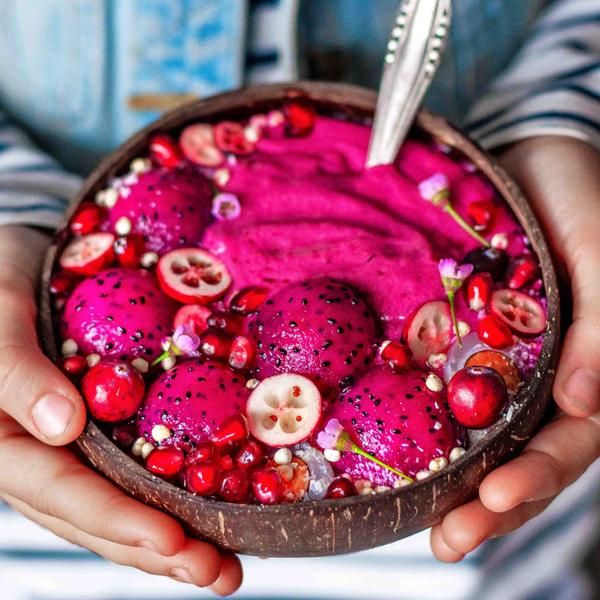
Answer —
51 485
561 179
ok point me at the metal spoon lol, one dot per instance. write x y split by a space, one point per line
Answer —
413 55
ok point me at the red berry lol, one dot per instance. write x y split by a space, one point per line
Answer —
89 254
490 260
481 213
62 282
235 486
113 391
242 353
396 355
165 151
476 396
203 479
198 145
501 363
300 117
479 290
227 322
230 137
215 344
521 271
266 485
249 300
494 332
341 487
129 250
226 462
232 431
75 366
166 462
87 219
203 452
194 316
250 455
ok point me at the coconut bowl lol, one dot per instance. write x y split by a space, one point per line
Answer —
326 527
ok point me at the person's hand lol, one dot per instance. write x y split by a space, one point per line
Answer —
561 179
39 410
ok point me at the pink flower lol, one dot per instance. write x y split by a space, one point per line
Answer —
186 340
226 206
435 189
329 437
450 269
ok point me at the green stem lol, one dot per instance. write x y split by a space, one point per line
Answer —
464 225
454 321
358 450
162 357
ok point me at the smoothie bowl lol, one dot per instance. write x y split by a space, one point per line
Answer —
291 354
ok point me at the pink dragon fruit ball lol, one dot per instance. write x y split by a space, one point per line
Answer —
397 419
120 313
169 208
192 399
320 328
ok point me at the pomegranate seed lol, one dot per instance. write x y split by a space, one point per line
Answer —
165 151
249 300
494 332
341 487
479 290
481 213
266 484
129 250
242 353
87 219
166 462
300 117
521 271
396 355
62 282
203 479
75 366
203 452
193 315
235 486
215 344
232 431
226 462
232 324
229 137
250 455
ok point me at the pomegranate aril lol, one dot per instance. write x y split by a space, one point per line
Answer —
87 219
215 344
227 322
242 353
479 290
481 213
203 479
226 462
493 332
230 137
165 151
249 300
62 282
232 431
166 462
521 271
75 366
266 485
194 316
250 455
396 355
341 487
129 250
235 486
300 117
203 452
490 260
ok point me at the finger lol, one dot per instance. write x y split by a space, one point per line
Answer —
230 578
440 549
32 390
59 485
554 458
197 562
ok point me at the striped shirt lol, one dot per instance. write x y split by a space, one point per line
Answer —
513 70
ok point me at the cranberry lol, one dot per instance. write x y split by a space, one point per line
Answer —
476 396
300 117
521 271
193 315
87 219
249 300
232 431
227 322
75 366
166 462
341 487
493 332
215 344
165 151
113 390
501 363
490 260
62 282
266 484
235 486
129 250
230 137
396 355
481 213
479 290
203 479
250 455
203 452
242 353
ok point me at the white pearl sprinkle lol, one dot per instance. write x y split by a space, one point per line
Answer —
93 359
136 449
463 328
283 456
435 361
332 455
382 488
456 453
69 347
168 363
141 364
499 241
148 260
362 483
252 383
100 197
160 433
252 134
111 196
221 177
424 474
275 118
437 464
434 383
366 491
140 165
400 483
123 226
146 450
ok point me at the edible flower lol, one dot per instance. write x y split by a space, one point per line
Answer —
335 437
184 342
436 189
226 206
453 276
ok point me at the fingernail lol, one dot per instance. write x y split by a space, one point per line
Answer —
583 390
52 415
182 574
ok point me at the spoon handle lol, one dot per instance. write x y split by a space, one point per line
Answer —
413 54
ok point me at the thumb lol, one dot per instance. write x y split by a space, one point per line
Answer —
32 390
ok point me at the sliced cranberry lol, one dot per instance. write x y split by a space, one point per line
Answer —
494 332
89 254
520 312
230 137
165 151
232 431
166 462
203 479
429 330
250 455
249 299
396 355
521 271
341 487
87 219
129 250
228 322
236 487
300 117
266 485
75 366
194 316
479 290
203 452
481 213
198 145
242 353
490 260
215 344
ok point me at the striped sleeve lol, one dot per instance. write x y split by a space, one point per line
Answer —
34 189
553 85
